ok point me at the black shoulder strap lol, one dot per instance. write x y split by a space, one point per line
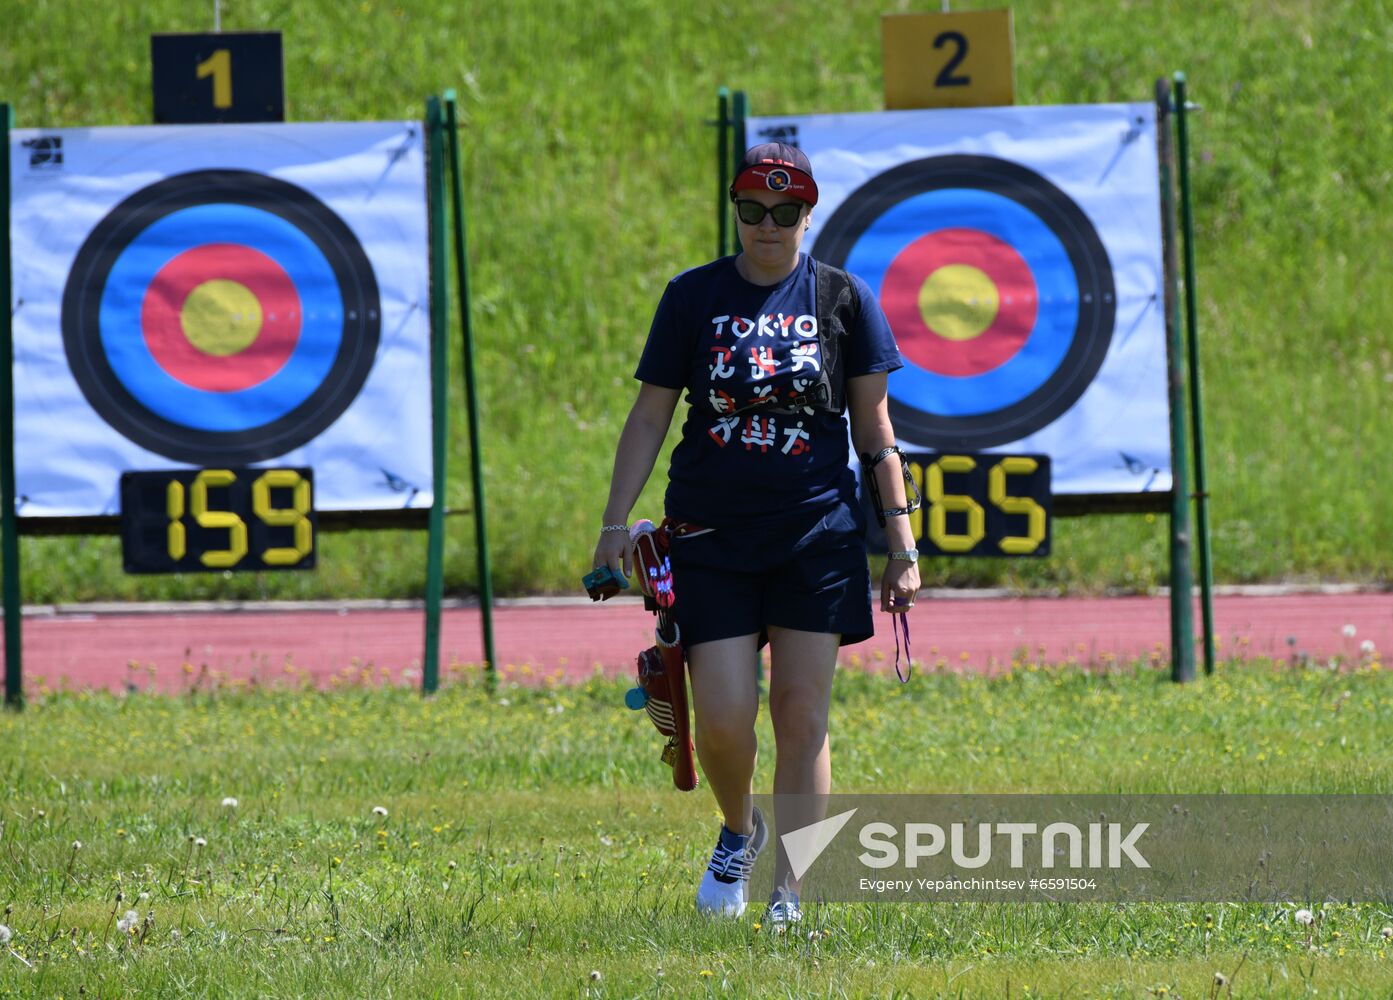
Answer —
838 312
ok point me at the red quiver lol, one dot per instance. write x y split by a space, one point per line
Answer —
662 668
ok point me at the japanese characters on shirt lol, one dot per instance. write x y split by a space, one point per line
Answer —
752 359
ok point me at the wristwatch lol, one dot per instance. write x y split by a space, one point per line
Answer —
908 555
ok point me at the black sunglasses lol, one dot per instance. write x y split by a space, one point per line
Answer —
752 212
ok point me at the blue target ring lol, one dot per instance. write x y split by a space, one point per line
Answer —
163 394
321 263
1075 292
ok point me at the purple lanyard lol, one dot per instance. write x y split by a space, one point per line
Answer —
901 624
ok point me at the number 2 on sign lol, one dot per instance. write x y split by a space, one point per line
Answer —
219 67
945 76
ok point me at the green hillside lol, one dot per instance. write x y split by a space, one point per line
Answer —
590 180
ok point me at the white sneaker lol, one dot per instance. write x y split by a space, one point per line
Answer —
783 910
724 885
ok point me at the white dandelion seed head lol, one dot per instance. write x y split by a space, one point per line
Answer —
174 935
199 842
1386 933
1367 646
143 896
1349 631
77 845
5 934
452 865
128 923
379 811
1220 979
229 803
1304 917
594 975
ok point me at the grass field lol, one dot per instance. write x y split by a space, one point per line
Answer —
589 176
532 841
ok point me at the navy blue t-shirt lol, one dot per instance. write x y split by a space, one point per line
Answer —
727 342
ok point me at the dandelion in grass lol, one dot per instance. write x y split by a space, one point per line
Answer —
128 923
229 803
5 935
1220 980
1349 631
1304 917
1386 933
380 811
594 975
199 842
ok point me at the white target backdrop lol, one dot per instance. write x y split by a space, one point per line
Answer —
221 295
1017 254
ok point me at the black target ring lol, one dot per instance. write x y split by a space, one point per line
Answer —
349 323
915 420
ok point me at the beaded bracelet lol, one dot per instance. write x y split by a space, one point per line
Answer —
614 527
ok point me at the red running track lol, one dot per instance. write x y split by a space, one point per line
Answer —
170 649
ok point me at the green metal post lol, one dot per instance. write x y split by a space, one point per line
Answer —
9 523
1187 227
1182 615
739 110
722 172
471 390
439 380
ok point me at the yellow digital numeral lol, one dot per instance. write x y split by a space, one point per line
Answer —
219 67
916 519
236 527
280 517
176 535
942 504
1017 465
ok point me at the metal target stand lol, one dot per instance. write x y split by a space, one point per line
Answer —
441 120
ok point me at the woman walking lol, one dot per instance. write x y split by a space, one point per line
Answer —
774 351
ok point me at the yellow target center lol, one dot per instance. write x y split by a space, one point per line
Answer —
221 317
958 301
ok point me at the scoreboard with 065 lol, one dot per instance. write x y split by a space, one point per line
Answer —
205 520
981 504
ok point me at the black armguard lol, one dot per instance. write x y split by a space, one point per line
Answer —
911 488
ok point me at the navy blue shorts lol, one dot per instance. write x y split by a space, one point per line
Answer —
807 572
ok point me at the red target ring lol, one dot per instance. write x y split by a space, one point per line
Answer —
961 301
247 335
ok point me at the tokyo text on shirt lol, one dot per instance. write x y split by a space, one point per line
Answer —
729 342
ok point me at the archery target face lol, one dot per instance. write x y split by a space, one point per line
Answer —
996 286
220 296
257 310
1016 255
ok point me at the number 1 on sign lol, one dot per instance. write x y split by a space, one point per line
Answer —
219 67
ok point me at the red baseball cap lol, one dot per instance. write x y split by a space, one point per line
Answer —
778 167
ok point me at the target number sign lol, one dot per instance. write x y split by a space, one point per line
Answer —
958 60
982 504
234 76
198 520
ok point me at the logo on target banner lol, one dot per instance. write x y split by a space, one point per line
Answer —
1017 255
222 296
